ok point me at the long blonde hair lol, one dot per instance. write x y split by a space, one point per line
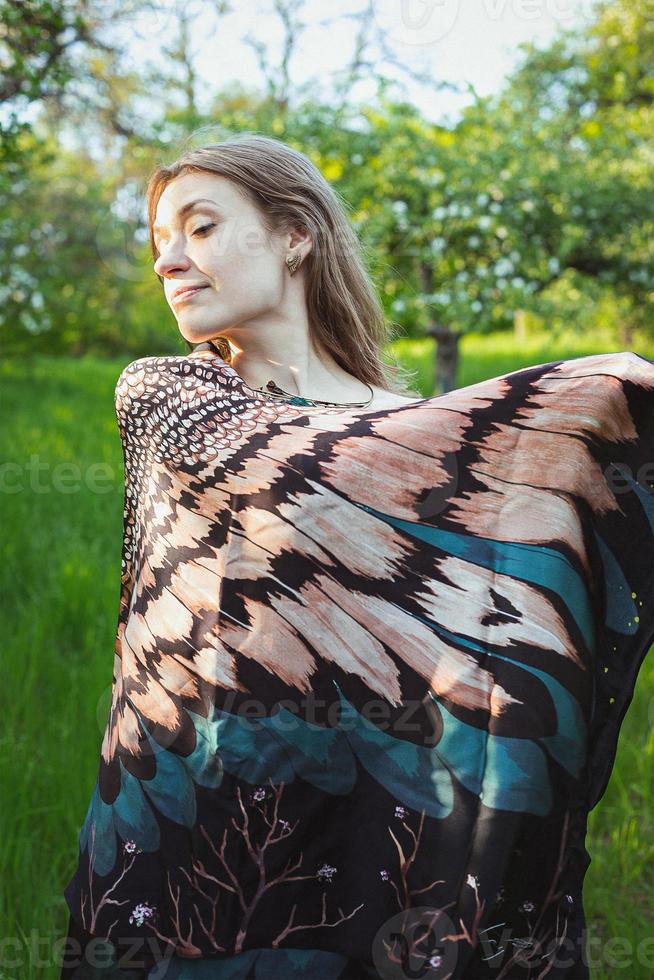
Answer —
344 311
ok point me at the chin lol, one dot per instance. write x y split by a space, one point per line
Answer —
196 336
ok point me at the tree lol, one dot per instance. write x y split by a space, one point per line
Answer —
549 182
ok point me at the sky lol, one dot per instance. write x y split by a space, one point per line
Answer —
457 40
460 41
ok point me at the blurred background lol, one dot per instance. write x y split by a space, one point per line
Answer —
497 161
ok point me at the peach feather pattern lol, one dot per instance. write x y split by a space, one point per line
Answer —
403 632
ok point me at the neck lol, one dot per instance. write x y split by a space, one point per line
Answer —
294 365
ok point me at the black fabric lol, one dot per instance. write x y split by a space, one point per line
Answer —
438 612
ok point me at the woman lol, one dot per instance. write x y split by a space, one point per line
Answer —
370 667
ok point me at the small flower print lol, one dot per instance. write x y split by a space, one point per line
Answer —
326 871
473 881
569 899
400 812
285 825
435 961
141 913
130 847
259 793
384 875
527 907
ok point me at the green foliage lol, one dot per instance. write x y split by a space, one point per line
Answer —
538 201
34 42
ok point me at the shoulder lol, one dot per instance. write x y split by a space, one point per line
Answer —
625 365
145 383
148 382
635 368
139 380
134 374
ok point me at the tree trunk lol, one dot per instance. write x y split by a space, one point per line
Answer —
520 325
626 335
447 358
447 342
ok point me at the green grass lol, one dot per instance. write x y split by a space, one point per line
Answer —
62 536
490 355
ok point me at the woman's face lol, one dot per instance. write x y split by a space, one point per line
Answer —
221 246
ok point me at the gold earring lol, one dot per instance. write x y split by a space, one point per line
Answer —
293 261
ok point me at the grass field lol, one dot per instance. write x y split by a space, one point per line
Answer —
62 533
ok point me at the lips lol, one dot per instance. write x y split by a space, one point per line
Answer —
186 293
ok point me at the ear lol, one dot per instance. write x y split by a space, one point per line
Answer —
298 235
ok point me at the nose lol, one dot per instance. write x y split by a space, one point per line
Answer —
170 260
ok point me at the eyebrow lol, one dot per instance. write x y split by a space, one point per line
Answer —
186 209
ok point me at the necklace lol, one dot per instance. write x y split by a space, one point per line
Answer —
271 388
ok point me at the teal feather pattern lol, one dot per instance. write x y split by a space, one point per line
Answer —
620 607
465 554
